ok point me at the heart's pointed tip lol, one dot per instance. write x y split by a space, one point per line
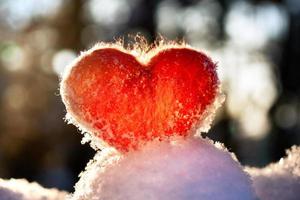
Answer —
129 98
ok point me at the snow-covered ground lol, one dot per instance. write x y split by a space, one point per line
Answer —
181 170
21 189
279 180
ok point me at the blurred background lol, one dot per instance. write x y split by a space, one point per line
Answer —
256 44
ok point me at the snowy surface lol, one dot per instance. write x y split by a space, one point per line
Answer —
279 180
20 189
186 169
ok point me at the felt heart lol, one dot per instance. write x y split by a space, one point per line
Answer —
126 103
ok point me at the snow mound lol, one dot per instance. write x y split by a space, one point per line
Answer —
279 180
21 189
185 169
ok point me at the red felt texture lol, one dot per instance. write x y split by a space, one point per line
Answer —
127 103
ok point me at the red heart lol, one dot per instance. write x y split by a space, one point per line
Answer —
126 103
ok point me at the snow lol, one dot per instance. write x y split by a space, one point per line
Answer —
21 189
279 180
182 170
185 169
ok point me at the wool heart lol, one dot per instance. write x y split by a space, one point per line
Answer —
125 102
